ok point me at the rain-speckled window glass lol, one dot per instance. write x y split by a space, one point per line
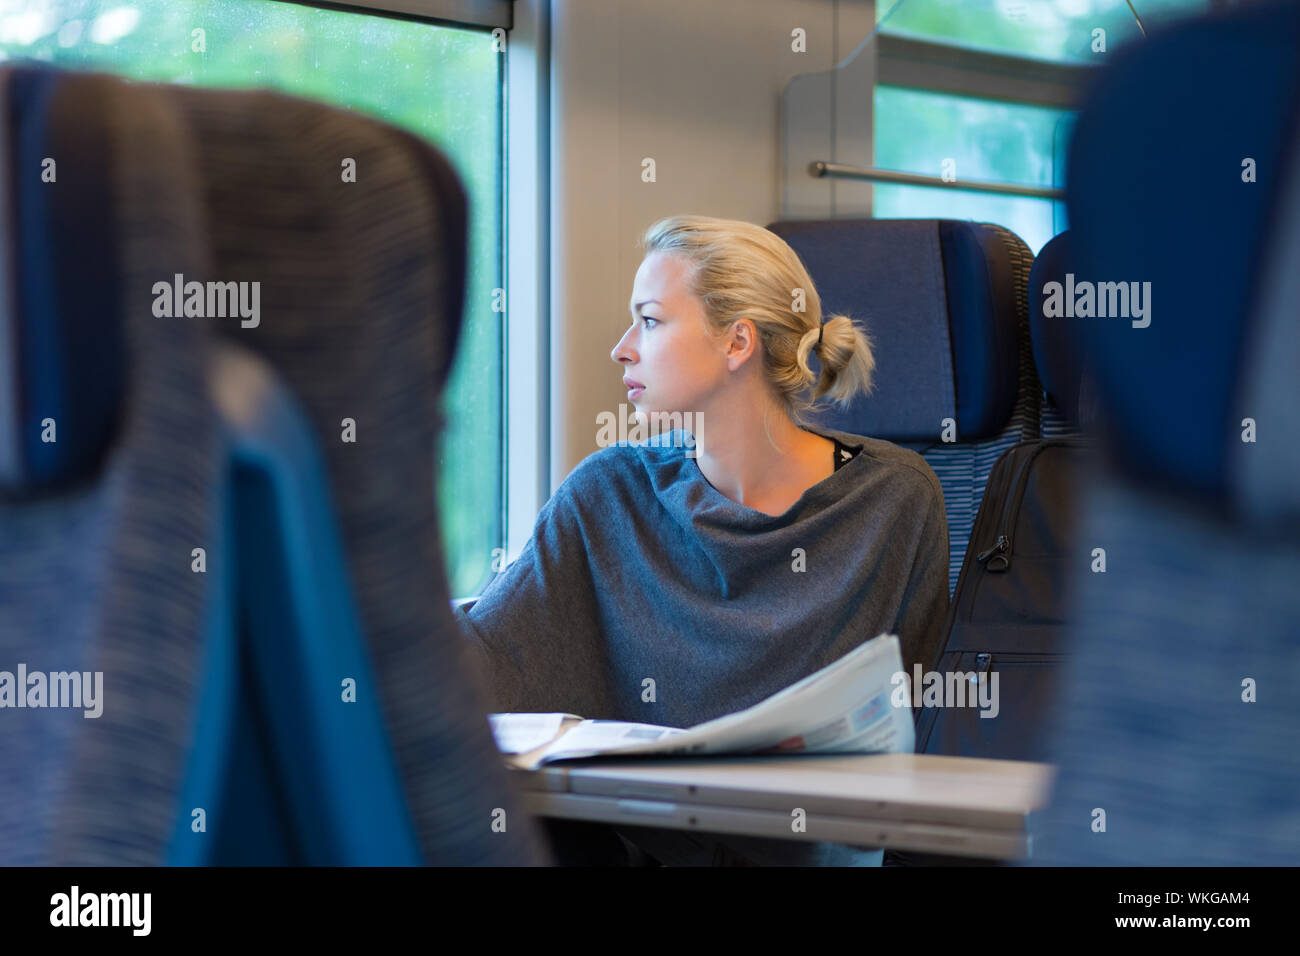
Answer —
985 140
440 82
1061 30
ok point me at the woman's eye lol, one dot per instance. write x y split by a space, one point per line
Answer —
647 320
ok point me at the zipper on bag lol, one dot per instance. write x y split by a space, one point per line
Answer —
1000 552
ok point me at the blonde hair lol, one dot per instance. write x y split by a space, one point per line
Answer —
740 270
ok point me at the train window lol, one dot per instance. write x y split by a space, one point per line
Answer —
1061 30
443 82
978 91
919 131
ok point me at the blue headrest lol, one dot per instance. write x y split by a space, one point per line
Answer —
1156 195
1056 347
62 334
940 300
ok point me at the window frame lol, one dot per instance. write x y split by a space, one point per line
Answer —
959 71
951 68
527 418
460 13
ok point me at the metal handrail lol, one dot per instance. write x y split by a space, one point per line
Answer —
819 169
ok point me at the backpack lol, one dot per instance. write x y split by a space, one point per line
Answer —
1007 615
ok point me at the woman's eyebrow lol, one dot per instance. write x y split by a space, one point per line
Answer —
637 308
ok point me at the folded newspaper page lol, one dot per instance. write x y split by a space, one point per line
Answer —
842 708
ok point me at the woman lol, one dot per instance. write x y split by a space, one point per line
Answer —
671 584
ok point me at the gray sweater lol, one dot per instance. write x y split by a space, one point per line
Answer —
646 594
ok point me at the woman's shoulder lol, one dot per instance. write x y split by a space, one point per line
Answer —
615 466
905 467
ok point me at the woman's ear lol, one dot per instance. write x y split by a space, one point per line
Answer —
742 342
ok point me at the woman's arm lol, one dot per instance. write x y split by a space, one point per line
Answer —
923 614
533 634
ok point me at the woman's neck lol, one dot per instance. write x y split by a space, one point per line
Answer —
762 460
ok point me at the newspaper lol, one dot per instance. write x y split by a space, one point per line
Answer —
843 708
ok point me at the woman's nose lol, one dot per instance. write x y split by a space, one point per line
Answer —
621 351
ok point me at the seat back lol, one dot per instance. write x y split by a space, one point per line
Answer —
228 563
1009 618
1057 354
362 284
1177 739
97 529
944 304
291 762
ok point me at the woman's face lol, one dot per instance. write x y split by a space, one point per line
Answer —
670 362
